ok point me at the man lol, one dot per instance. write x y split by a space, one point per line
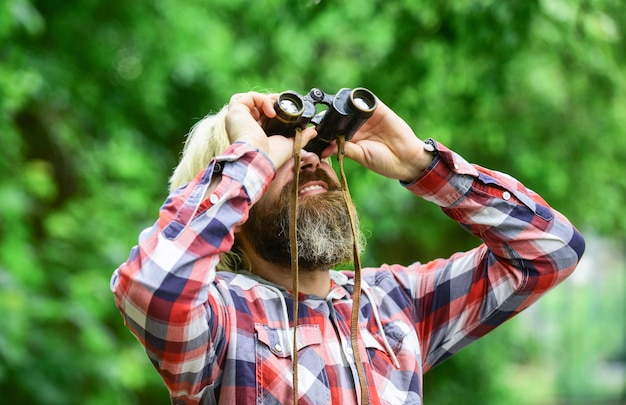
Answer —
226 336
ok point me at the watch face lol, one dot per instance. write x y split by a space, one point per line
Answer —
429 145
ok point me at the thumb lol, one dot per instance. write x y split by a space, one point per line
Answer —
308 134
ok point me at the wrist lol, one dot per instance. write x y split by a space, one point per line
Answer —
428 154
423 160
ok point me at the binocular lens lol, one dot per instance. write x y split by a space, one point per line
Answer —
289 106
361 103
363 100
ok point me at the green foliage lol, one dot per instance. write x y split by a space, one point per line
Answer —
95 99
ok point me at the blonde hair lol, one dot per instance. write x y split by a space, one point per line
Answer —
206 139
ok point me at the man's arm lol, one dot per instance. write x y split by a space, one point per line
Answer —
164 290
527 249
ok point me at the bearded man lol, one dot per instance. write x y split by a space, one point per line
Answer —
209 289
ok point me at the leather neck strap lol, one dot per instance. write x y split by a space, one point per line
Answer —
356 295
293 238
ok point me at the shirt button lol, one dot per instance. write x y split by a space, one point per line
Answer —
214 198
506 195
278 347
349 350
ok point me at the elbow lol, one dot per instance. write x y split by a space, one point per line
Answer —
577 244
571 254
556 264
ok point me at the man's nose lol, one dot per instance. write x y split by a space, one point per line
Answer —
309 160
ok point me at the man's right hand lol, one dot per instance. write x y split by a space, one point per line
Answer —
244 120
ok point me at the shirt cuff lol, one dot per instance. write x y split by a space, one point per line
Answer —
254 169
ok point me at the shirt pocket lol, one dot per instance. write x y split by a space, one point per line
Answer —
274 367
393 332
394 385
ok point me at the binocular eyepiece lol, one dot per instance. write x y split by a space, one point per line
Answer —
347 111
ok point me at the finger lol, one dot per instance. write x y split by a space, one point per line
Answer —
268 105
352 151
330 150
308 134
254 100
235 98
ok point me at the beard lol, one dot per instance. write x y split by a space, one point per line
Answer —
324 234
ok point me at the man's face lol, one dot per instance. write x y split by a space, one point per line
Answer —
323 221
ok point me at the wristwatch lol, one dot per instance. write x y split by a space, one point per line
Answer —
430 146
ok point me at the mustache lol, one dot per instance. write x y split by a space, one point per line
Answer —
317 175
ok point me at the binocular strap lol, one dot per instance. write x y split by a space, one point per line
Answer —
293 238
356 295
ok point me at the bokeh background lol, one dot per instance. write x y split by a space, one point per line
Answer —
96 98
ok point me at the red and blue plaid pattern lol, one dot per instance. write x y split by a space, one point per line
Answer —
225 337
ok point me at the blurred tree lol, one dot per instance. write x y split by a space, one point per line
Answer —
95 99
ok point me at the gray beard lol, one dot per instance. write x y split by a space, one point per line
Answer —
324 232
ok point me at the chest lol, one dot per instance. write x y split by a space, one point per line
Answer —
260 349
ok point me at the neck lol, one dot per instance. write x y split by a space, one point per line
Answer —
316 282
313 282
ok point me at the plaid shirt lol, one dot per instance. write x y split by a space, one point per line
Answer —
224 338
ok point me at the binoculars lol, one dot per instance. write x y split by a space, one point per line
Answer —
345 113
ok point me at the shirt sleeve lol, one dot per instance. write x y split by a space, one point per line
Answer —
527 249
164 290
